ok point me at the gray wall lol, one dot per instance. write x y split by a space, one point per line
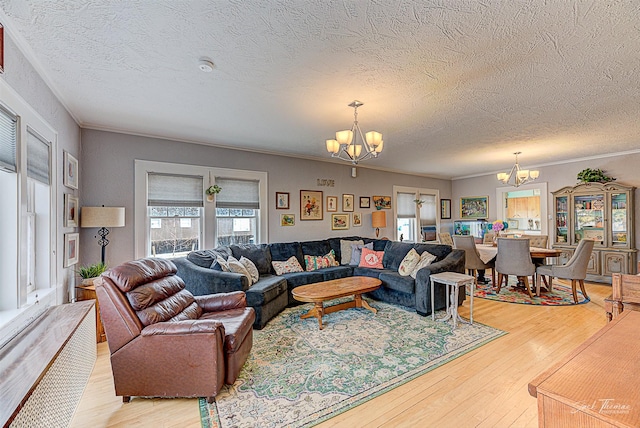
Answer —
623 167
107 160
24 79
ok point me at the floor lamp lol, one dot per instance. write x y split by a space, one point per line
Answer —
102 217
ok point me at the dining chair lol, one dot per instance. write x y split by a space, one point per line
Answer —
488 237
472 261
575 269
539 241
514 258
445 238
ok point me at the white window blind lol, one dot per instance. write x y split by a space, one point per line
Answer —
171 190
405 206
8 132
428 210
244 194
38 155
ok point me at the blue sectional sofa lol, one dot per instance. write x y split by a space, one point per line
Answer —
272 293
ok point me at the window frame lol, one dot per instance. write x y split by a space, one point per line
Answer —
417 191
143 167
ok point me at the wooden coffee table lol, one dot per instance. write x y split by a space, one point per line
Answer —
327 290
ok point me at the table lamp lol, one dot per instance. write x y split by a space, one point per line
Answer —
378 220
102 217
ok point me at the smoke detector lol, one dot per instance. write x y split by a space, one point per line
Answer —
205 65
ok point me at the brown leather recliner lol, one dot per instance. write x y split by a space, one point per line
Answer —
164 342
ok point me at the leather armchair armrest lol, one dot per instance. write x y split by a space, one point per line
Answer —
183 327
222 301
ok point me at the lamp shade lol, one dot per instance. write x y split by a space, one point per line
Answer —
379 219
102 217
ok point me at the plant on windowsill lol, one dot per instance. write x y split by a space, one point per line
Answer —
212 191
589 175
90 272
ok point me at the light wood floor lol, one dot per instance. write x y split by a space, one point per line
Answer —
484 388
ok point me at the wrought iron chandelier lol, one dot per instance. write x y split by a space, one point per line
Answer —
517 177
354 146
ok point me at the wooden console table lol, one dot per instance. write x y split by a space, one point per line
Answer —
88 292
597 384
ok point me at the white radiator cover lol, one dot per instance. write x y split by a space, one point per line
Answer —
56 397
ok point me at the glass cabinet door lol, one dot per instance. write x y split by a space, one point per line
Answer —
589 218
619 220
561 220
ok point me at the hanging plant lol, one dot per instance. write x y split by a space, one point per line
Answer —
589 175
419 202
213 190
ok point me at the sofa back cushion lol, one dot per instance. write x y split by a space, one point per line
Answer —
315 248
259 254
282 251
438 250
394 253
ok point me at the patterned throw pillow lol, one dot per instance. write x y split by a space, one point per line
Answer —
251 268
319 262
345 250
291 265
371 259
409 263
426 259
236 267
223 263
356 252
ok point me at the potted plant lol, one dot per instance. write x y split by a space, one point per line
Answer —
212 191
90 272
589 175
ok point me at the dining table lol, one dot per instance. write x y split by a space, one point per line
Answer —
488 253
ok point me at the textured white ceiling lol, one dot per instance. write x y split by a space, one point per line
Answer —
455 86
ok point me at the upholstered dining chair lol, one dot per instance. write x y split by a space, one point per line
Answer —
164 342
472 261
488 237
514 258
445 238
539 241
575 269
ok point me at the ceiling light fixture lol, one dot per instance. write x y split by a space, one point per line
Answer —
346 145
517 177
205 65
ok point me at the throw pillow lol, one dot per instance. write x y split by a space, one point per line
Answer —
291 265
223 263
236 267
316 262
345 250
356 252
251 268
371 259
426 259
331 255
408 264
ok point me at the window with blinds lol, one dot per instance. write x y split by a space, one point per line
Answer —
38 157
174 203
8 139
237 211
416 218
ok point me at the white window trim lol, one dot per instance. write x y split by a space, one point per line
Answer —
28 306
143 167
417 191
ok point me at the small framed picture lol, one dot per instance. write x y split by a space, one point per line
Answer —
445 208
332 203
311 205
357 219
365 202
287 219
382 202
282 200
474 207
70 173
71 249
347 202
339 221
70 210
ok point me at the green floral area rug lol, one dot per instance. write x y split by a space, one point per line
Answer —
299 376
561 295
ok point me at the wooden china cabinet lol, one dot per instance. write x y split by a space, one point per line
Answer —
604 213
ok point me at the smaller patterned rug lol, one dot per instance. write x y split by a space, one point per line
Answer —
561 295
